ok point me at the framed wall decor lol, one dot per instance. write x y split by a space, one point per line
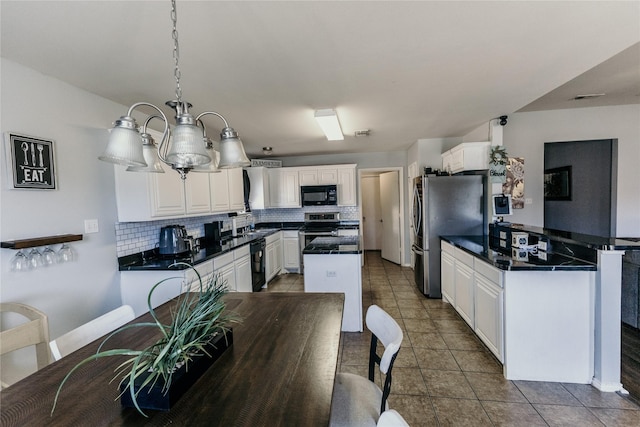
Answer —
32 162
557 183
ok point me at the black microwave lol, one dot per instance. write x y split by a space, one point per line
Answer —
316 195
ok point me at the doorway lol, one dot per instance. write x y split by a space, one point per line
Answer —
382 212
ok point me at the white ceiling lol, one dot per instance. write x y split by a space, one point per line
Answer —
405 70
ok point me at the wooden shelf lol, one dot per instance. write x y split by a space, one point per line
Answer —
41 241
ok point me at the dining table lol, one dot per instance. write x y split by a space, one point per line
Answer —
279 371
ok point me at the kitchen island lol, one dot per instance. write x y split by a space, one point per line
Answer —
333 264
553 315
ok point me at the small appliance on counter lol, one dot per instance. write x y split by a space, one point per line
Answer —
216 232
173 240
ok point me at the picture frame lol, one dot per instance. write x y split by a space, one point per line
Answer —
32 162
557 183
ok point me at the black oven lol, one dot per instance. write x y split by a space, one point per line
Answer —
318 195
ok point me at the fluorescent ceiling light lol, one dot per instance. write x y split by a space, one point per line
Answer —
328 121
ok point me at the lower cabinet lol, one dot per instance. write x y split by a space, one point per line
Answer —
290 250
476 290
463 279
489 314
273 255
447 273
235 268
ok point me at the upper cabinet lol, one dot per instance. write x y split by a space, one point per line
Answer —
318 175
284 188
347 185
226 190
467 156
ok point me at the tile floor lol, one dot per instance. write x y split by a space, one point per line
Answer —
444 376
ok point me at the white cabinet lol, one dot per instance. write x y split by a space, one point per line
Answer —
273 255
290 250
242 267
226 190
467 156
489 296
197 198
347 185
464 292
318 175
284 187
259 194
235 268
447 273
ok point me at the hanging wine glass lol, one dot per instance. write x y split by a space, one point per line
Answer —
35 259
65 254
49 256
19 262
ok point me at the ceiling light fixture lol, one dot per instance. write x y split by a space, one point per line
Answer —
267 151
328 121
183 149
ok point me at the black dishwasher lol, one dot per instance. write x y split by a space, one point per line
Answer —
257 250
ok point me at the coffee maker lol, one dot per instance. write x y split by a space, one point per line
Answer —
216 232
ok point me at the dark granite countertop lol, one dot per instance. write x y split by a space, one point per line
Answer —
333 245
587 240
150 260
479 247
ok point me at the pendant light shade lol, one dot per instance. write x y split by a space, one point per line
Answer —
232 153
186 148
150 153
124 146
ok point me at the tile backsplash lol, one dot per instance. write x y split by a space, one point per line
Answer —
134 237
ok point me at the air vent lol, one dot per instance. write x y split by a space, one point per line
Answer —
588 96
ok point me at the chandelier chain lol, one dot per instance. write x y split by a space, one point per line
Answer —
176 50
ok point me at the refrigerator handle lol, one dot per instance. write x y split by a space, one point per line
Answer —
417 208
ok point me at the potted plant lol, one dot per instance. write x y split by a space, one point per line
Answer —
199 332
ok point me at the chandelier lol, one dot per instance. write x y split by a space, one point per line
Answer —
184 148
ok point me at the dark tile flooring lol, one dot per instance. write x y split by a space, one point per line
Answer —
445 376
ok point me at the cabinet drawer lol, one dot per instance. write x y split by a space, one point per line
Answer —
222 260
241 251
488 271
463 257
447 247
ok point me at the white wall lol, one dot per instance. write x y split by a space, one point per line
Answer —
70 294
526 133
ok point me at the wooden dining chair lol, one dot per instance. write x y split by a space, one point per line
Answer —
83 335
35 332
358 401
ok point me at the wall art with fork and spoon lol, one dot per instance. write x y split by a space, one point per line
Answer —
32 162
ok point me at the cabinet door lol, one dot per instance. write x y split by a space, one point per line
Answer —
167 193
219 191
197 194
308 176
488 311
269 261
243 274
228 275
327 176
291 253
236 189
277 257
447 277
347 186
464 292
290 187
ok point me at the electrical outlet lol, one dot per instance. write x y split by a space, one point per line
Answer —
528 201
91 226
331 274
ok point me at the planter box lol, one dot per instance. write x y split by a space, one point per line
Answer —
153 397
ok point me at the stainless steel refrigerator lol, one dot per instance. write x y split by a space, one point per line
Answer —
444 206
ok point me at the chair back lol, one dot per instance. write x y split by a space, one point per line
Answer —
35 332
383 327
391 418
83 335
